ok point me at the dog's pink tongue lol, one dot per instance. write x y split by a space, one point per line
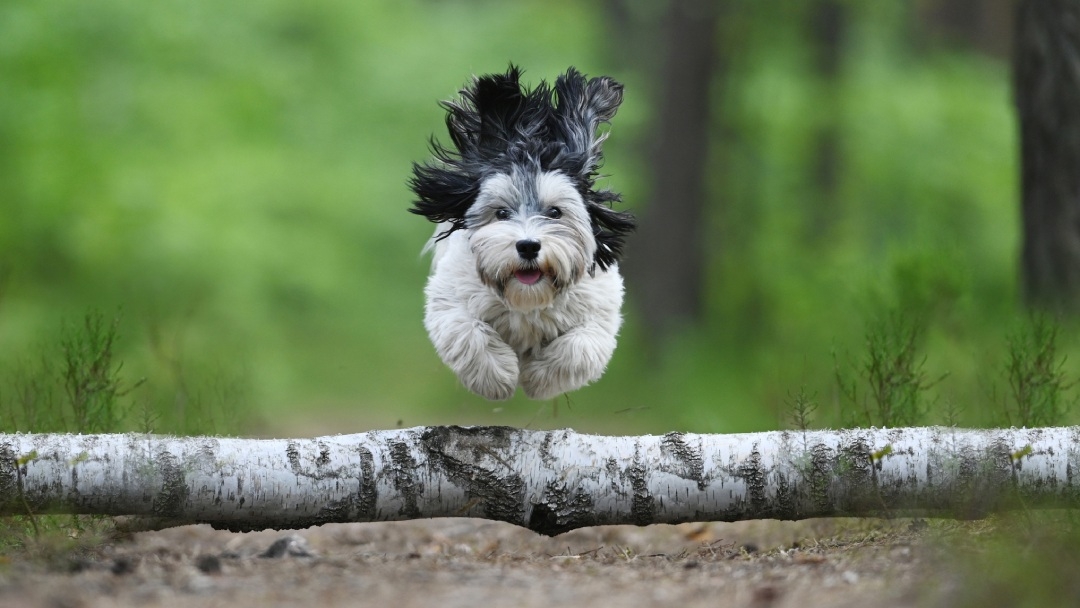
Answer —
528 277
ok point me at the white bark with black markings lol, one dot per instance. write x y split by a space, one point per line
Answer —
548 481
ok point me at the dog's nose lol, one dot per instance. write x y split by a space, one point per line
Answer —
528 249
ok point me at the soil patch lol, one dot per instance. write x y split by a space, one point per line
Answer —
471 563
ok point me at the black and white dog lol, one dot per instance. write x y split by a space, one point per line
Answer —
525 287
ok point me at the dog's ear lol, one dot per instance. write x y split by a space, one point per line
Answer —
491 112
445 191
494 112
610 227
581 107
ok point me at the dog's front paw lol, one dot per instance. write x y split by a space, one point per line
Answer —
493 374
547 378
570 362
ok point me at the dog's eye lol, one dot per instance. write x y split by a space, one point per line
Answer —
553 213
502 213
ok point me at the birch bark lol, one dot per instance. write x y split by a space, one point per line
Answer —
548 481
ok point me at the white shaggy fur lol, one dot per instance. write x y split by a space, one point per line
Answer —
494 331
525 287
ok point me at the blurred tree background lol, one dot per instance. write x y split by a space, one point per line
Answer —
228 180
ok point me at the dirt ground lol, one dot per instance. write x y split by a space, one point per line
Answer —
453 563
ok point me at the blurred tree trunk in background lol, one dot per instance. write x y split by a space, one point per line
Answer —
633 32
983 25
1047 95
829 25
669 252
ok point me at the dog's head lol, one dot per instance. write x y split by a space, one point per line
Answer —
521 179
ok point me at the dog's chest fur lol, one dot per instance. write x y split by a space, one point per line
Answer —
527 331
595 298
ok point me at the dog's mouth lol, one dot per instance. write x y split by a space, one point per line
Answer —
528 276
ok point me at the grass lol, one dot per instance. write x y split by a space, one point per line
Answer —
90 377
888 384
57 542
892 375
1038 387
895 374
802 408
76 383
1023 560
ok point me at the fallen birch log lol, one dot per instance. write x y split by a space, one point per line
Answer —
548 481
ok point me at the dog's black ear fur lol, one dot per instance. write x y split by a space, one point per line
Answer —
581 107
493 114
497 122
445 193
610 227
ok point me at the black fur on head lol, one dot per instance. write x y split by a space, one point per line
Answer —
497 123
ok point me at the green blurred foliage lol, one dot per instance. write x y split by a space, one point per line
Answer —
1023 559
233 177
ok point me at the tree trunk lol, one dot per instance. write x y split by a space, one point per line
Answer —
1047 94
548 481
669 252
985 26
829 24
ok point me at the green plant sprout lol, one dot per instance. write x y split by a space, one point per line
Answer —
893 375
1035 371
802 408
